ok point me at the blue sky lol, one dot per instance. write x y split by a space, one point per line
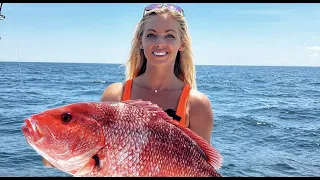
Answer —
222 34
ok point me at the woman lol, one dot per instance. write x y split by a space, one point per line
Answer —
160 69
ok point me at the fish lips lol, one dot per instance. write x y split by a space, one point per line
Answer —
32 131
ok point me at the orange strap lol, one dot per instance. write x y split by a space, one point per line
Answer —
127 90
181 109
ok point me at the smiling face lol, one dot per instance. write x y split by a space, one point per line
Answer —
161 39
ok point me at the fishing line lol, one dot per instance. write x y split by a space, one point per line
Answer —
22 91
20 88
19 61
20 67
0 28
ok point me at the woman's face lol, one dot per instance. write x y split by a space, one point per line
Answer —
161 39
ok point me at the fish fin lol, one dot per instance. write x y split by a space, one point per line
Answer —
88 167
213 156
47 163
149 106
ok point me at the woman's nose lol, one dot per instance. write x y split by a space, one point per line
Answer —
160 42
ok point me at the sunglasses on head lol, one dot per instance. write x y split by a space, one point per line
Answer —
169 6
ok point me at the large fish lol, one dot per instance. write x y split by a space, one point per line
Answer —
131 138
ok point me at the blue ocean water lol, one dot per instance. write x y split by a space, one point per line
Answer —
266 119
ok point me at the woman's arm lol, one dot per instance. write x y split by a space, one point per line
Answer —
200 115
113 92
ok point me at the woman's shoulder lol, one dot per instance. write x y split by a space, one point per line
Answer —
113 92
198 99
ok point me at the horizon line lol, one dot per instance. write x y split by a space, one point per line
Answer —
252 65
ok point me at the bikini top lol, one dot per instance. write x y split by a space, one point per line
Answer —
178 115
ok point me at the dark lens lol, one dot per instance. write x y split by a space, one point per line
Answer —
152 6
175 7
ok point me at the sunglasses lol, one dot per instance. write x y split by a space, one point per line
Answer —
169 6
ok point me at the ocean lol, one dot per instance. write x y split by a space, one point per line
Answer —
266 119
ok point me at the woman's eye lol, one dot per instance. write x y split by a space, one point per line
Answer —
151 35
170 36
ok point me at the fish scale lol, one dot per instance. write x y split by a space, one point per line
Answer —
131 138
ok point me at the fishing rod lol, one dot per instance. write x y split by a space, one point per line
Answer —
2 17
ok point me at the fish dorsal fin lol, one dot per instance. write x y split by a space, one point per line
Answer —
149 106
214 158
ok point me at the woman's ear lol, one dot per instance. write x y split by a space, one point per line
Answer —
181 47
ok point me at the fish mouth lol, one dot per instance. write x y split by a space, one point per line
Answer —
32 131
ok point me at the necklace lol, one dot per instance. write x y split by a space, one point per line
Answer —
154 90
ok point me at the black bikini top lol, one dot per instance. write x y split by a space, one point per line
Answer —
172 113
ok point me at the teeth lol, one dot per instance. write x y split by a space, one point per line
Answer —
159 53
34 126
38 133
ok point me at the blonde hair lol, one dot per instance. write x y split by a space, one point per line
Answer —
184 67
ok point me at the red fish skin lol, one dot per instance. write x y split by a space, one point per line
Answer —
180 155
139 139
142 144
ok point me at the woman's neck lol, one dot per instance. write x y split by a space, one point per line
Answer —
159 78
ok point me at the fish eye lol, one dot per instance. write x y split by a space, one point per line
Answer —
66 117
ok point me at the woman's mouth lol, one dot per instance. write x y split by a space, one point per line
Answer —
159 53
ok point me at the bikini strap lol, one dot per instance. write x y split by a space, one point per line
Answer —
127 90
181 109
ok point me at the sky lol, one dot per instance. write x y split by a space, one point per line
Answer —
256 34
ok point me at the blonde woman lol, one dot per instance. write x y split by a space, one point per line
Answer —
160 69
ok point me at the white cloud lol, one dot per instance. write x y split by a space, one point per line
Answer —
255 55
265 11
313 48
313 53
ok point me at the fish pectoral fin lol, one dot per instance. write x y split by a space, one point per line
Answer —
47 163
88 167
